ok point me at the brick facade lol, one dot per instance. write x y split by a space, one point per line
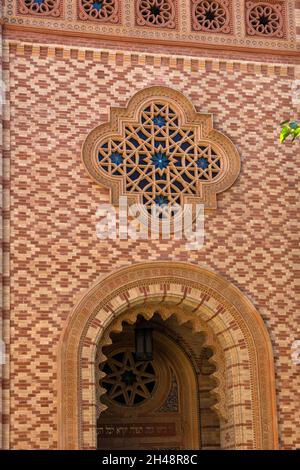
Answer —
56 97
62 70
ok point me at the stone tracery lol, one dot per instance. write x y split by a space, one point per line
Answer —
100 10
264 19
211 16
157 13
128 382
161 152
40 7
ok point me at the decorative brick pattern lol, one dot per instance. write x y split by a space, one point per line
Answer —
252 240
5 237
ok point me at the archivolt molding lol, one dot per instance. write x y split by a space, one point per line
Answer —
244 342
159 149
182 317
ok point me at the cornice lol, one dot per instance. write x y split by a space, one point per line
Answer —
182 48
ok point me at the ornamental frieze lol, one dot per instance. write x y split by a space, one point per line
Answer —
238 23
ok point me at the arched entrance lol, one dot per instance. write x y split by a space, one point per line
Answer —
152 403
162 401
232 328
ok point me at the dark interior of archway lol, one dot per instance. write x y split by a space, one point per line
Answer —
132 386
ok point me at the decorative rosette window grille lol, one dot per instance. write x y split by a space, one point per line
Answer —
265 19
158 13
159 151
211 16
128 382
40 7
106 11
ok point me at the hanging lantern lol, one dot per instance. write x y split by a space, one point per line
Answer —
143 341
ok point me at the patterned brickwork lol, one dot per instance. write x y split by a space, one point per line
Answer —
55 255
4 264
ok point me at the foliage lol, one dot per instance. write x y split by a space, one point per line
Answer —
289 129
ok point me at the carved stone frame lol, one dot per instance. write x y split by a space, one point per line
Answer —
200 294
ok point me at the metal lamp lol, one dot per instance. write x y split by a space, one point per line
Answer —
143 341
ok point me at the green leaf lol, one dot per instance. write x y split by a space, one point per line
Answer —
284 122
296 133
285 132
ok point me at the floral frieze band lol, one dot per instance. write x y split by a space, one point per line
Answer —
160 151
220 21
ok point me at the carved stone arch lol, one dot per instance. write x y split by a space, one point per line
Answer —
194 291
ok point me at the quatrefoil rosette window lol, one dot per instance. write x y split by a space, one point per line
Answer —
160 152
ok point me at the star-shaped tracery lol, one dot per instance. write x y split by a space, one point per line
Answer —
161 149
158 157
128 382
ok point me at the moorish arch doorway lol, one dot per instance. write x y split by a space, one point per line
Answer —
185 300
163 399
